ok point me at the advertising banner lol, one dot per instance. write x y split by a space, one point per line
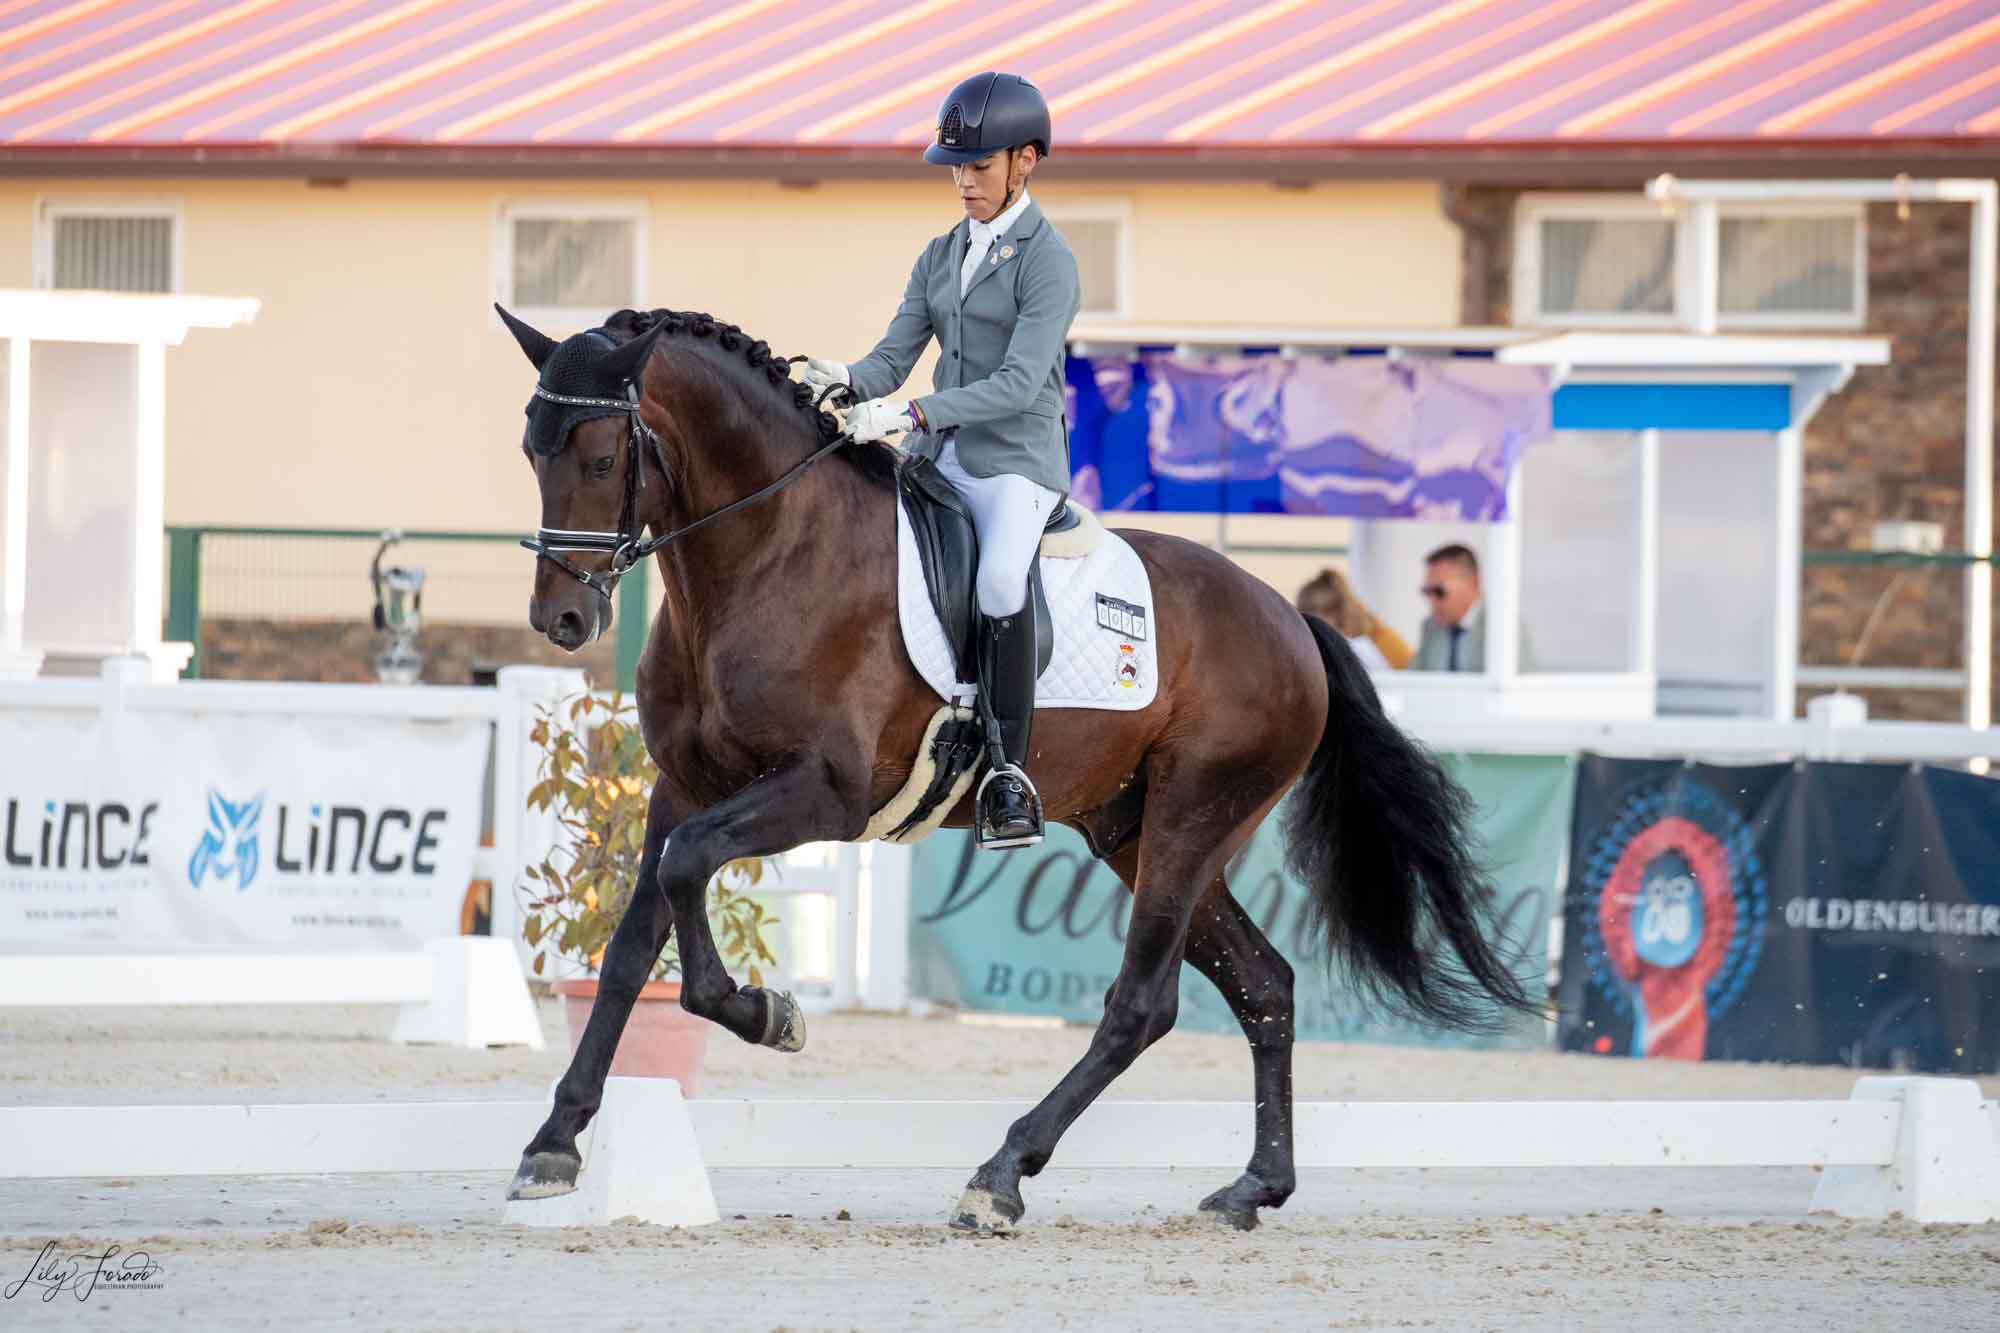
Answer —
1829 913
149 832
1042 930
1359 437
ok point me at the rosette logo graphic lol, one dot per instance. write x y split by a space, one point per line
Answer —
1680 912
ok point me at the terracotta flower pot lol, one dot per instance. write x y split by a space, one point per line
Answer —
661 1039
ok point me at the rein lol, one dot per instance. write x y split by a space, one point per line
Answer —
626 546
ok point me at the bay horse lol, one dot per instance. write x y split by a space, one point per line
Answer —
777 698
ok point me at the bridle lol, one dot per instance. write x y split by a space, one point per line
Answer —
629 545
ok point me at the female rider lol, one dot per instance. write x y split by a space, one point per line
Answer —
998 292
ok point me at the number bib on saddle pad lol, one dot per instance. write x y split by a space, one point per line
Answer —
1100 605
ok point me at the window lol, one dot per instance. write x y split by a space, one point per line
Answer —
1619 261
1097 236
570 262
110 245
1607 266
1791 267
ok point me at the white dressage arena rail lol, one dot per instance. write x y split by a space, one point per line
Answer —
1925 1148
462 990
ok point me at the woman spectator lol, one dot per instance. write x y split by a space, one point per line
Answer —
1330 598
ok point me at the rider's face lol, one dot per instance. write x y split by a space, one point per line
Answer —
984 186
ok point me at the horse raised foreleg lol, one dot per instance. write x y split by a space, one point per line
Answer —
1226 946
782 810
551 1162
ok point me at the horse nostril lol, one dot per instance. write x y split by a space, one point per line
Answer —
567 629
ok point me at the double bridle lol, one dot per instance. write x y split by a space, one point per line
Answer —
629 545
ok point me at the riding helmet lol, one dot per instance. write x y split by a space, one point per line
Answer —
989 113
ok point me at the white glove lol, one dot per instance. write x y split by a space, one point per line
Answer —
879 418
820 374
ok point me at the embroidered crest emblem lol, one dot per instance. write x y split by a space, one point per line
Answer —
1121 618
1128 666
1006 252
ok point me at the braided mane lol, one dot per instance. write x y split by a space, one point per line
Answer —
877 461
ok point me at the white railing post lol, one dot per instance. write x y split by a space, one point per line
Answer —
521 837
885 981
846 926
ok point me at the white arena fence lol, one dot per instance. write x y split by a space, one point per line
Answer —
848 908
463 989
1927 1149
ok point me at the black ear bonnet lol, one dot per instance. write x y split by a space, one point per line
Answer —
576 369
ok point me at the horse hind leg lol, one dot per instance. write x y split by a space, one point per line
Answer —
1226 946
1184 846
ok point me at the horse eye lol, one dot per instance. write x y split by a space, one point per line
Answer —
602 467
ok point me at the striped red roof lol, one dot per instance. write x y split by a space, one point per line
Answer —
1154 75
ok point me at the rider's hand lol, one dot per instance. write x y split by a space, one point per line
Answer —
879 418
820 374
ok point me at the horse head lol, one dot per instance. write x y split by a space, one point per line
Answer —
591 455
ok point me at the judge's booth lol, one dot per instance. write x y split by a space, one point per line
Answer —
1634 499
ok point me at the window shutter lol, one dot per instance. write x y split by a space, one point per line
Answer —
112 253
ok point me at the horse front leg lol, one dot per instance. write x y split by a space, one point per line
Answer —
806 801
551 1161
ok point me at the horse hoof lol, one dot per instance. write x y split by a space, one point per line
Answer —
984 1213
544 1175
784 1023
1226 1205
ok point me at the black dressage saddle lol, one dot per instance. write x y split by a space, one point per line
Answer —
948 548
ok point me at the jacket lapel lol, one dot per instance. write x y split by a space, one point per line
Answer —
961 240
1006 249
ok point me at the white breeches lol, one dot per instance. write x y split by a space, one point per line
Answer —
1008 513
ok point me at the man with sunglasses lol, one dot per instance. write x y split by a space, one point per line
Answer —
1454 637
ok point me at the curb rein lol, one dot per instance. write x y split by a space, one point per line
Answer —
626 546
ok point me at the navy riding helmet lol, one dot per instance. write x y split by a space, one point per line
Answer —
986 114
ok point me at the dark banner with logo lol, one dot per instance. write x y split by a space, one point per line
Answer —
1826 913
1042 930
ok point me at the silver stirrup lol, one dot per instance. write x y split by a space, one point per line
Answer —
979 798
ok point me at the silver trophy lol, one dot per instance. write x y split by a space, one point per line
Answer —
399 613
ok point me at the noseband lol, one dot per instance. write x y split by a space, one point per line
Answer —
628 545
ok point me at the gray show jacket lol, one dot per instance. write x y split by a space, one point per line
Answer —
999 376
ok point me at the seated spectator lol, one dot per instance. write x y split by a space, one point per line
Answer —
1330 597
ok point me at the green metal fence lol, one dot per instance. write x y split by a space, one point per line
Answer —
306 572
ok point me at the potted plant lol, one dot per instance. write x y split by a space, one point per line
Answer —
594 773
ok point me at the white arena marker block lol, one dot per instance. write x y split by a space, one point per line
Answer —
641 1161
478 997
1946 1167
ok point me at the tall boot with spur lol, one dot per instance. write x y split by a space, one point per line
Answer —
1009 810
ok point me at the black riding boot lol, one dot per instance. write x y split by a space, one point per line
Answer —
1009 811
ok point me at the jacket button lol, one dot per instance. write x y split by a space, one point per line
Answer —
954 356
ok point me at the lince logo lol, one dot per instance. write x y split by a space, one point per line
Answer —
228 846
331 841
1121 618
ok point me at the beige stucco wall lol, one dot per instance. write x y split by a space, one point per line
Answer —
376 355
377 389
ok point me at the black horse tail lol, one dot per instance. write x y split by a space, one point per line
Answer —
1381 837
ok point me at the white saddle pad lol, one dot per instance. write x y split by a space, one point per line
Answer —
1100 605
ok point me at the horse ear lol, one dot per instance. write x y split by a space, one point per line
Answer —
627 362
538 345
